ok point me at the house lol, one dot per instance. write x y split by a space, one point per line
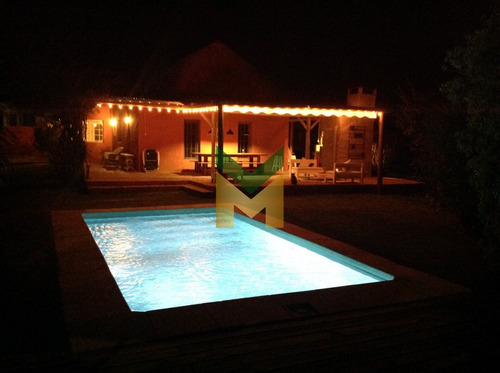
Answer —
250 123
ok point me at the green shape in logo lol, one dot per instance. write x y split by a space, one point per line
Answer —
250 181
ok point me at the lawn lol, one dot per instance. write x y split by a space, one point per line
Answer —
405 229
402 228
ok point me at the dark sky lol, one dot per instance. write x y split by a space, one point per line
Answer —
316 48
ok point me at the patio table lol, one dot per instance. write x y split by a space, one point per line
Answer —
247 160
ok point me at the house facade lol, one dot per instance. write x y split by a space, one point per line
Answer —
178 132
253 116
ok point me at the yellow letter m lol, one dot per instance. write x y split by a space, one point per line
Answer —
270 198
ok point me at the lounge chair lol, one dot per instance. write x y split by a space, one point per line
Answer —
345 171
111 159
306 167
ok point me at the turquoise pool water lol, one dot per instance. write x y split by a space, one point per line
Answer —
171 258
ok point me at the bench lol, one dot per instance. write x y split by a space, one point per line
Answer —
345 171
306 167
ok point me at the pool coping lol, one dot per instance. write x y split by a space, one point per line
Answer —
97 316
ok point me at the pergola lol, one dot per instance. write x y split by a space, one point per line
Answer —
214 116
308 117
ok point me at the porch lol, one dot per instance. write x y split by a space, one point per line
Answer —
100 178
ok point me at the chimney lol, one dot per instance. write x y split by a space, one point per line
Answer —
361 98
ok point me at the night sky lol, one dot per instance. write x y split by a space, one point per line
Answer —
317 49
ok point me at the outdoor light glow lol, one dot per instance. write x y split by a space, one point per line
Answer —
113 122
120 107
316 112
257 110
128 120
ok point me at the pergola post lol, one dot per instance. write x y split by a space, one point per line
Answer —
379 151
220 134
308 126
213 134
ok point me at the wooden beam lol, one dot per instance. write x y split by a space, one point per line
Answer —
308 126
220 134
212 122
379 151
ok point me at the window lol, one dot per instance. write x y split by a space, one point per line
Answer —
94 131
243 135
191 137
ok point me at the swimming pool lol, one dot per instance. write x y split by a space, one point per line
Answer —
177 257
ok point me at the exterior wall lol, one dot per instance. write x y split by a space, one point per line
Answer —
336 141
328 127
95 150
361 98
20 138
267 134
164 132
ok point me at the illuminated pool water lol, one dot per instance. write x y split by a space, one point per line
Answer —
172 258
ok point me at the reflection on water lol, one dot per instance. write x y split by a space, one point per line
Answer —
174 260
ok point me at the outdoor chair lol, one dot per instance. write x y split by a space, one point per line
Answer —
345 171
111 159
307 168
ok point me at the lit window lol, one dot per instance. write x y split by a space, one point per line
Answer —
243 137
94 131
191 137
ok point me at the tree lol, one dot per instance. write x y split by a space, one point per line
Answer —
475 93
69 153
61 88
431 124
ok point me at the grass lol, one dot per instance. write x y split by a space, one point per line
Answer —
401 228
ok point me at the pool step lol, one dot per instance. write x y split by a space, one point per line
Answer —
200 190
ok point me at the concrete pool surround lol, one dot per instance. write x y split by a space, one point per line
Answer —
97 316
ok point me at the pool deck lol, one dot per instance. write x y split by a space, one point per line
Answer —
415 321
103 179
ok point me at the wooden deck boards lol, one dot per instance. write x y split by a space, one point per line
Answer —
427 335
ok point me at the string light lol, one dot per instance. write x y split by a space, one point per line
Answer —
316 112
256 110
